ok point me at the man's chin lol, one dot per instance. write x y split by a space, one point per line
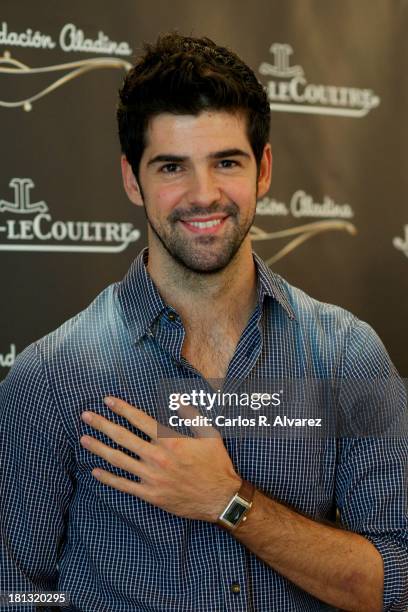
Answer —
206 256
203 265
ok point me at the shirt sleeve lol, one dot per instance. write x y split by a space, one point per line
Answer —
36 481
372 476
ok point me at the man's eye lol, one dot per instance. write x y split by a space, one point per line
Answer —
170 168
228 163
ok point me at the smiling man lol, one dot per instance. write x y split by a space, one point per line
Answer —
121 513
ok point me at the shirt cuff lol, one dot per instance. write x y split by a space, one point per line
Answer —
395 559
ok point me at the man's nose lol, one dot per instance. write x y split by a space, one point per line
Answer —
204 189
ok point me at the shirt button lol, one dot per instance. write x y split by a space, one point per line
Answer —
235 588
172 316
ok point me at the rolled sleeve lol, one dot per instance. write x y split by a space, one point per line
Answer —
372 477
394 552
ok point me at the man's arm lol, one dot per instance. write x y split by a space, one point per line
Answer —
35 482
339 567
372 474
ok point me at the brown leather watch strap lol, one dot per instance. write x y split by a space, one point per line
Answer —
247 491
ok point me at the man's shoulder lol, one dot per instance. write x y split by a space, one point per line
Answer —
310 312
88 326
78 338
338 335
67 366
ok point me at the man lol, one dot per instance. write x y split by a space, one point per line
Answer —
102 503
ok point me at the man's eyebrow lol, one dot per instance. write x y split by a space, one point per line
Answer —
169 158
229 153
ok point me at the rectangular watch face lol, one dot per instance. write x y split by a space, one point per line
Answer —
234 513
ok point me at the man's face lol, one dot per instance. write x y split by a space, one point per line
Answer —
199 180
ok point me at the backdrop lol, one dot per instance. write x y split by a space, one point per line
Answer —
335 222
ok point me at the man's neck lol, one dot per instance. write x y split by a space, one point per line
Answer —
227 295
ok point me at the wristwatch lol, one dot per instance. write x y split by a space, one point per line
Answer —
238 507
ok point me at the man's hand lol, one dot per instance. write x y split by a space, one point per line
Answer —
189 477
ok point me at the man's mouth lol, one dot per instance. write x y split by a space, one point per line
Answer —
208 225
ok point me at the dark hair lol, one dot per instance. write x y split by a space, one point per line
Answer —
185 75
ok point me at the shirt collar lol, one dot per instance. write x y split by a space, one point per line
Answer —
142 304
272 285
139 298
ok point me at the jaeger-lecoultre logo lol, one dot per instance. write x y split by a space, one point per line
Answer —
42 233
289 91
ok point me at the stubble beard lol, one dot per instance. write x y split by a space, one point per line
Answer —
202 254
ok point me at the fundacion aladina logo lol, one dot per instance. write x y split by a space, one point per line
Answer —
11 66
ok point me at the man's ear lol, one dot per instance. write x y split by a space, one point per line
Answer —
130 183
265 172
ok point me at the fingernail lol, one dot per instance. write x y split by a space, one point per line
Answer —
85 441
96 472
109 401
87 417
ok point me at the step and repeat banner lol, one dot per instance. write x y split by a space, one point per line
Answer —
335 222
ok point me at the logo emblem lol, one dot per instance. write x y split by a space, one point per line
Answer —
22 204
281 68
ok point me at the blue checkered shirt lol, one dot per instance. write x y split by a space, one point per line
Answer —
62 530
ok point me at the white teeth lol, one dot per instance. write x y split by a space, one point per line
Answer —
203 224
